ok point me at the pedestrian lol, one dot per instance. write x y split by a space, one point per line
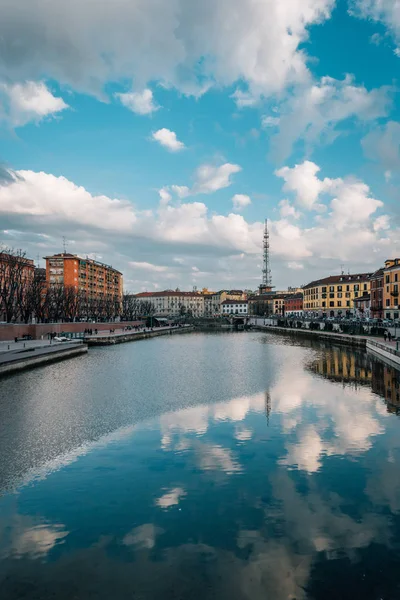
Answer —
385 336
389 336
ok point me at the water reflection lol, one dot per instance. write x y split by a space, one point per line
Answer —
287 493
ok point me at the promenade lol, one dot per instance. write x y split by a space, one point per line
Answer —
33 353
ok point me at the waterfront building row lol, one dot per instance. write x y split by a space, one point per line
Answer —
175 303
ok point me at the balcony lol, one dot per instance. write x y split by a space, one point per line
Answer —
394 293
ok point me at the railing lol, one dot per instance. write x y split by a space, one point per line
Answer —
384 347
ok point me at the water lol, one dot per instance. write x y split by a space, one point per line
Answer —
204 466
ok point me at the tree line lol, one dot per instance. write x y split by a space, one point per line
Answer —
25 295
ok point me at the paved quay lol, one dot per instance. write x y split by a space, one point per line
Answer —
120 337
36 353
387 351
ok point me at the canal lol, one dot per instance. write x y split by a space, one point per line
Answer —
209 466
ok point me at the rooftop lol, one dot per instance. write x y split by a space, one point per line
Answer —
69 256
339 279
234 302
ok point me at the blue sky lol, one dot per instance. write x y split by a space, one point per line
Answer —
282 110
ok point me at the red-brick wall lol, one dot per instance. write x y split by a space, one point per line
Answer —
9 332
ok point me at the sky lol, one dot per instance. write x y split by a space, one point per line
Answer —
157 136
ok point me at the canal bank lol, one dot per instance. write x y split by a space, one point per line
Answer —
386 351
356 341
108 339
13 361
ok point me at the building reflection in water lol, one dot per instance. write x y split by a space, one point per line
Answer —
360 369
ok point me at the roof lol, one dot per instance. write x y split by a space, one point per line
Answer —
339 279
378 273
68 255
168 293
298 296
234 302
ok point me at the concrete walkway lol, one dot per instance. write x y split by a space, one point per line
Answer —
11 346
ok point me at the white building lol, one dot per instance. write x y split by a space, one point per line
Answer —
175 303
234 307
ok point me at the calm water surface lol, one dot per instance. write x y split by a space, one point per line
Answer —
204 466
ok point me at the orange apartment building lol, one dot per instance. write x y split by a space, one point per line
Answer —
95 279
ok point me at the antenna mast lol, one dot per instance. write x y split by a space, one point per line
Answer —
64 245
266 279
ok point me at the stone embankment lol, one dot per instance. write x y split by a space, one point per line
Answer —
108 339
12 361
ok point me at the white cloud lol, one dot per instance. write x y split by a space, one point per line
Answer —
165 196
268 121
386 11
210 178
171 498
55 199
145 266
168 139
182 191
141 103
29 101
240 201
189 45
143 537
287 210
314 110
302 179
295 266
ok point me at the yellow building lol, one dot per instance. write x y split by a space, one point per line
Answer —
334 295
391 282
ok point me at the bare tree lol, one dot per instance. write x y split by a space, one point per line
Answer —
16 271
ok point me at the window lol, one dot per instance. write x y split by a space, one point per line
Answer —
387 278
395 315
356 294
365 286
347 289
356 287
387 289
331 288
324 290
388 315
323 304
339 294
388 303
347 294
331 304
348 303
395 277
339 303
339 288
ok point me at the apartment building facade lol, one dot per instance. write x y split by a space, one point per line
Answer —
235 307
377 280
294 305
94 279
391 283
334 295
171 303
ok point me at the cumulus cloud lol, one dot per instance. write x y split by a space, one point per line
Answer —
190 45
29 101
288 210
53 199
385 11
314 110
302 179
240 201
210 178
145 266
141 103
168 139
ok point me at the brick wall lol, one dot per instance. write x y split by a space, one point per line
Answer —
9 332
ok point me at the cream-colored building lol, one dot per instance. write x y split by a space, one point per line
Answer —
175 303
333 296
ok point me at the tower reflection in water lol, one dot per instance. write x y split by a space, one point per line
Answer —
360 369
